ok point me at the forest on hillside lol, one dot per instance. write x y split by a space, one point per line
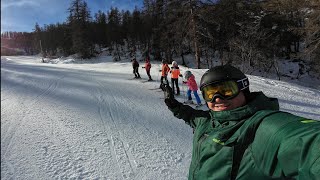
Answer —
253 32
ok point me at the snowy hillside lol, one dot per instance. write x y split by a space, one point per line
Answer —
91 120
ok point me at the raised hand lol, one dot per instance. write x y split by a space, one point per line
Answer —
169 99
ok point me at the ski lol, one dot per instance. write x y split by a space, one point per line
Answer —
135 78
199 105
158 90
189 103
192 104
155 89
144 81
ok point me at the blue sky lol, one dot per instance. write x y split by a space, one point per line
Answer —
22 15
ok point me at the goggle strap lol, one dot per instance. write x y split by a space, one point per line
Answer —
243 83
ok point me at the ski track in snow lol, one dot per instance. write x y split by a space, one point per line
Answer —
59 143
9 136
91 122
129 150
118 147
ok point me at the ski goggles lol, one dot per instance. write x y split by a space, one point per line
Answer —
224 90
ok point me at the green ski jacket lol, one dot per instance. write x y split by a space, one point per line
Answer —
252 142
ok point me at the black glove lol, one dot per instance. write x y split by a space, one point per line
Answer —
169 99
168 94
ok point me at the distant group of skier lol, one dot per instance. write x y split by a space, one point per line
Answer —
175 74
243 135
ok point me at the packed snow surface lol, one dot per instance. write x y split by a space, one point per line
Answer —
91 120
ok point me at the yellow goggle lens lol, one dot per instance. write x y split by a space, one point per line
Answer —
226 89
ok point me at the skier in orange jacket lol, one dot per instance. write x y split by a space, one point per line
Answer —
175 73
147 66
164 73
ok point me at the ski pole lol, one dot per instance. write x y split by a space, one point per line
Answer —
184 90
185 94
158 79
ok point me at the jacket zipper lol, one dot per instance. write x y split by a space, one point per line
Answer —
202 138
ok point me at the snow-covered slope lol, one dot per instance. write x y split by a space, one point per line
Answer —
93 121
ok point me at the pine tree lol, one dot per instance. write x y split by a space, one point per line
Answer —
79 20
99 30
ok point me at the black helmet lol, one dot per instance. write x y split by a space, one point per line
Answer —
223 73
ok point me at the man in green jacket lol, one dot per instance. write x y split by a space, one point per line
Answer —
244 135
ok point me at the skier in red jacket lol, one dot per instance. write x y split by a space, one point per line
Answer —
192 87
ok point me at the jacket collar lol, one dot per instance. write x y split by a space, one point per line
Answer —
257 101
